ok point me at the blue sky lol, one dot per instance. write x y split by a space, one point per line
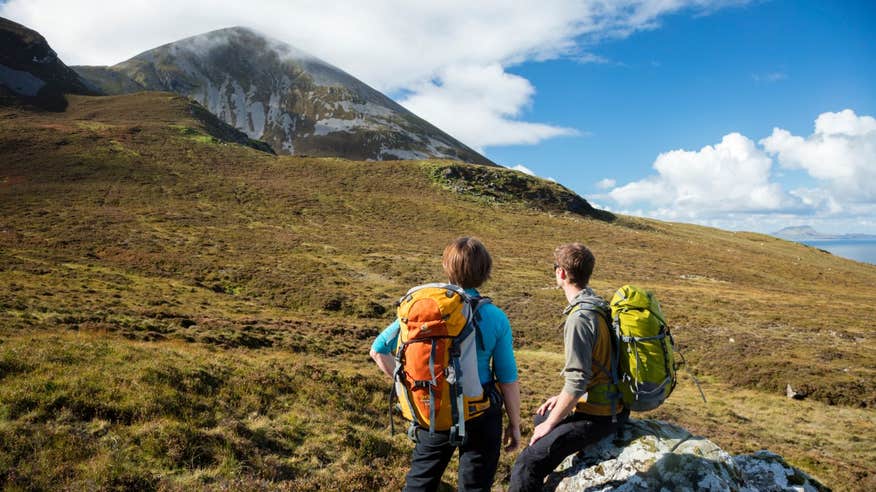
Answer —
694 79
739 114
697 78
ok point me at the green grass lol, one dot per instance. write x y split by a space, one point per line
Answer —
83 409
179 315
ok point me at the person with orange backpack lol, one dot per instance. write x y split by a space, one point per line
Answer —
450 356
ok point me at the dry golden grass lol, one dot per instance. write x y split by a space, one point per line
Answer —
126 223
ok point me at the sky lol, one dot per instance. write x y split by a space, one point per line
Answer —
744 115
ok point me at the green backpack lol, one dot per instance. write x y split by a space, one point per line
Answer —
645 350
645 360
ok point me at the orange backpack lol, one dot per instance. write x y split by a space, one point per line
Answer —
436 374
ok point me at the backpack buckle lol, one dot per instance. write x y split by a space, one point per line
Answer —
412 432
453 438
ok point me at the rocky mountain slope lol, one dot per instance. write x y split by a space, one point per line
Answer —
30 71
274 92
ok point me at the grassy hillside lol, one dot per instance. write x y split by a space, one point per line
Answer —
181 311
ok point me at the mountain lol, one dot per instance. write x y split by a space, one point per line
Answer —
30 71
182 312
797 232
276 93
804 233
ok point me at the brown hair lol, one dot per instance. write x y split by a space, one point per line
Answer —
577 261
467 262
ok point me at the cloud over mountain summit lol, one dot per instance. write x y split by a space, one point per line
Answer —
422 52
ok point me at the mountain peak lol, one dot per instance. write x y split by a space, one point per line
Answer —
236 29
239 36
277 93
804 230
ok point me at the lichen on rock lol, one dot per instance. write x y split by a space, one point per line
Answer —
655 455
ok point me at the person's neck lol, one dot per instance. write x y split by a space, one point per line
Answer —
571 290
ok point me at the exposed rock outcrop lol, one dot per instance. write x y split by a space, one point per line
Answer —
655 455
31 72
502 185
273 92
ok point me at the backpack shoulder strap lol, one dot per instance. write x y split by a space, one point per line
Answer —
614 355
601 308
477 302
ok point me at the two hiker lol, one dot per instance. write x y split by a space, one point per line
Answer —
565 423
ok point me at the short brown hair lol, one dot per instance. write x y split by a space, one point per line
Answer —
577 261
467 262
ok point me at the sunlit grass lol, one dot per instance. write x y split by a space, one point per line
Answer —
180 315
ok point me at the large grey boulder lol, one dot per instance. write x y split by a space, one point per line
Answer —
655 455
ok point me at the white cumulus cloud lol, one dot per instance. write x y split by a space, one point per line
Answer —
732 184
481 105
605 184
523 169
731 176
429 51
841 153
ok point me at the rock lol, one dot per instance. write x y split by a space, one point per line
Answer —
31 72
793 394
764 470
655 455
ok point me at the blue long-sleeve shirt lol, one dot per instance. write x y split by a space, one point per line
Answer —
495 330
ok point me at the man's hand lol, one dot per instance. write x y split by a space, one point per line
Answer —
547 406
557 407
512 438
541 430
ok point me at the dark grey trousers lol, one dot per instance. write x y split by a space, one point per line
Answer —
573 434
478 457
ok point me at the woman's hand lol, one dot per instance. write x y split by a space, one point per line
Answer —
512 438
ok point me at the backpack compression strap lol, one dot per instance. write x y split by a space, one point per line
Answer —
397 379
457 412
457 407
431 389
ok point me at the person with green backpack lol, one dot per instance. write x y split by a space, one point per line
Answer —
450 356
588 408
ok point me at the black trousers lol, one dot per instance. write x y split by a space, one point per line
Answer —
478 457
573 434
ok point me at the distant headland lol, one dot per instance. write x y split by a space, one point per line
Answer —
803 233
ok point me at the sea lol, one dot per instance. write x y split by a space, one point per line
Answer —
854 249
